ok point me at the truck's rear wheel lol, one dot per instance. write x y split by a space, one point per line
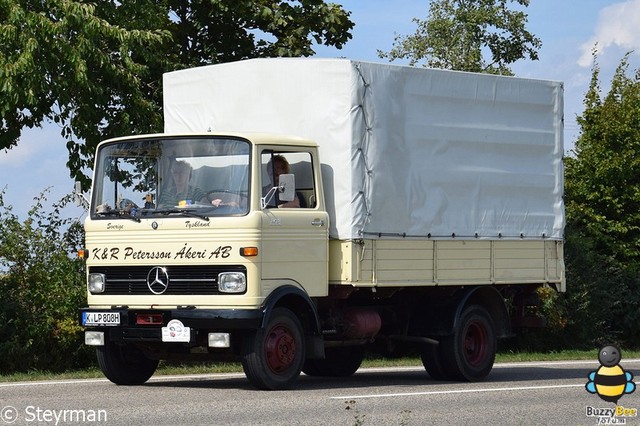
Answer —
338 362
125 364
470 352
431 360
272 358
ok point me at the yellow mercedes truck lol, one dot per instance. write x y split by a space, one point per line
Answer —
299 213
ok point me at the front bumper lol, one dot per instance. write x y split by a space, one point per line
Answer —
200 322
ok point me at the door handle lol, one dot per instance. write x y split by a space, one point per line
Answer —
317 222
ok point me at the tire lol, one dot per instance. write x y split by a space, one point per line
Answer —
125 364
338 362
432 362
468 354
272 358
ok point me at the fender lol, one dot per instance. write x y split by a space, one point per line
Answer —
490 299
442 319
298 301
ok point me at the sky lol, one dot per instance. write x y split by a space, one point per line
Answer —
569 30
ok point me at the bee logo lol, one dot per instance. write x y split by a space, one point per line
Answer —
610 381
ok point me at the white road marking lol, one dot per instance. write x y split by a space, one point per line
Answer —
456 391
594 363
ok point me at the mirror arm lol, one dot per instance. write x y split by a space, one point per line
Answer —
267 198
79 197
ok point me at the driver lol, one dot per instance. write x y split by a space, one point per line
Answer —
181 192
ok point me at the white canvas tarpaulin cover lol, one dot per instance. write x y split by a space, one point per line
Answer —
406 152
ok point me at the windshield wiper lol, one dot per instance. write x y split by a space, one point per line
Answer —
183 212
119 213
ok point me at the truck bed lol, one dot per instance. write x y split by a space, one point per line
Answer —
402 263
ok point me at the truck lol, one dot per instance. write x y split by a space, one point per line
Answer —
329 209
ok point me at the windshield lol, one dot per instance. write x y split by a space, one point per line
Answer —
201 177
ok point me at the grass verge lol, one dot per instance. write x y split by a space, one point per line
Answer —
232 367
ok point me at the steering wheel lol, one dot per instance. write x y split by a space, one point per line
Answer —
234 200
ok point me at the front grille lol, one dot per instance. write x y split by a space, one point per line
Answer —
184 280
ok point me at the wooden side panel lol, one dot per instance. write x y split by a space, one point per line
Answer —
463 262
402 263
390 263
520 261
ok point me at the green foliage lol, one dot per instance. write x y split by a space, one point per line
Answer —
216 31
41 289
602 198
458 33
603 179
95 69
60 61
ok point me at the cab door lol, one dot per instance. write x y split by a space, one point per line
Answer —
295 233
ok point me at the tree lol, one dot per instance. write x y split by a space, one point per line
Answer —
95 68
602 195
603 176
60 61
218 31
457 35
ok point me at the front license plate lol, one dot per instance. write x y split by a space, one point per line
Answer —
101 318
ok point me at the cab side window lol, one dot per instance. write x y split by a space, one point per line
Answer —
297 163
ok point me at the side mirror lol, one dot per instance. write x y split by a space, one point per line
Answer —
80 200
287 189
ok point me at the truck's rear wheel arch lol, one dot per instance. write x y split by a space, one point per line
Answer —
440 319
491 299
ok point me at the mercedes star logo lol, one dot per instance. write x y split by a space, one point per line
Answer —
158 280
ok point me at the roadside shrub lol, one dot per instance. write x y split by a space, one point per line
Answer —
598 308
41 289
602 295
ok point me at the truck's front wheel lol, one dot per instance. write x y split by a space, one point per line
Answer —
272 358
470 352
125 364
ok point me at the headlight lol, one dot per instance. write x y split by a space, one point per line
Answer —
232 282
95 284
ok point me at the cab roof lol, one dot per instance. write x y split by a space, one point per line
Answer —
253 137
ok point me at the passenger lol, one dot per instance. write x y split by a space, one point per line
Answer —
280 165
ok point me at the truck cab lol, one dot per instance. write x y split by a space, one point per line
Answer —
193 249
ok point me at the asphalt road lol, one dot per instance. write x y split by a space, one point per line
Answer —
544 393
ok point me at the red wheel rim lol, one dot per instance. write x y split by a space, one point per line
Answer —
280 348
476 344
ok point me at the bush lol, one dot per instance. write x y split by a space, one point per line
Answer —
41 289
